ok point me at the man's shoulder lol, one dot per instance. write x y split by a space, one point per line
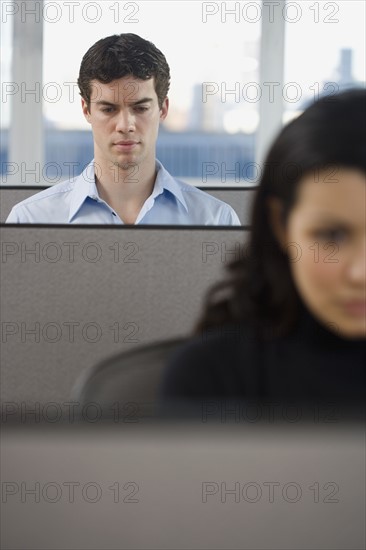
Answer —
48 206
188 190
195 197
191 189
49 193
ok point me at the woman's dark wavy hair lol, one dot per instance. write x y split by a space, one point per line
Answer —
259 289
123 55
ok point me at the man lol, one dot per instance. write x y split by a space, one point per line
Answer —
124 81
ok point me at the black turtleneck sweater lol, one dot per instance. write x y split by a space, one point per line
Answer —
311 364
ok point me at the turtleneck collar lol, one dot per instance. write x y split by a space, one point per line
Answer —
322 334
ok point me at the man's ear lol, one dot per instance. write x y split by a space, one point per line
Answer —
85 109
275 210
164 109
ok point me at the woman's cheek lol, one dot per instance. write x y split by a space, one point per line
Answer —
314 274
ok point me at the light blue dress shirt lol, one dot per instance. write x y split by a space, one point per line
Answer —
77 201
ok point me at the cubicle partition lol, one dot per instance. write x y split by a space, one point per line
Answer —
10 196
239 198
72 295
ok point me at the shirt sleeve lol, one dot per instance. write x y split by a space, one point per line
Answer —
229 217
13 216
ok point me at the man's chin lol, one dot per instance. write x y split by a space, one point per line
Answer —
125 164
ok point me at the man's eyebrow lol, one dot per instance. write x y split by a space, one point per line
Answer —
143 100
103 102
110 104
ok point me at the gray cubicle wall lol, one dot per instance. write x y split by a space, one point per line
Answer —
240 199
10 196
72 295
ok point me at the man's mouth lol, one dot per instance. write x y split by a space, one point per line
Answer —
126 145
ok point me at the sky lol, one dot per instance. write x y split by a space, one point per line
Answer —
202 42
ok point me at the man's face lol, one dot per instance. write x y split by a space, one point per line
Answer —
125 116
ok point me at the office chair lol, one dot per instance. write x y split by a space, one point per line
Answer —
124 387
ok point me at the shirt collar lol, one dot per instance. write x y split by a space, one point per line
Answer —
85 187
165 181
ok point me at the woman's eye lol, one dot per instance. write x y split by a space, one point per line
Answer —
331 235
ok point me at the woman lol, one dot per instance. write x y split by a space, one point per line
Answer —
289 323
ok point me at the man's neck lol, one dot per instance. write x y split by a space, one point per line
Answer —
125 189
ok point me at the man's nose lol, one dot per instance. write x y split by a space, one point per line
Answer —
125 122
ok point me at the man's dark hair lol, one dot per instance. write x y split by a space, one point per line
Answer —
123 55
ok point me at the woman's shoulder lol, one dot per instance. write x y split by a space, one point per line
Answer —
232 339
211 362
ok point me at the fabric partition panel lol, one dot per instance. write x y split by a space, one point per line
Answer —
73 295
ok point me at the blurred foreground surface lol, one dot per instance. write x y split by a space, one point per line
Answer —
183 485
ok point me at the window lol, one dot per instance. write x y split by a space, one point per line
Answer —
213 49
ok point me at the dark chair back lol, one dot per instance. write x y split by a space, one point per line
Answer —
125 386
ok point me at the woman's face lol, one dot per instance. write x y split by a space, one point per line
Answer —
327 229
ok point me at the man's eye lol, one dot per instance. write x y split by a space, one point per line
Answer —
107 109
141 109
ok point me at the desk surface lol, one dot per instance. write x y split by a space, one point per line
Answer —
183 486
